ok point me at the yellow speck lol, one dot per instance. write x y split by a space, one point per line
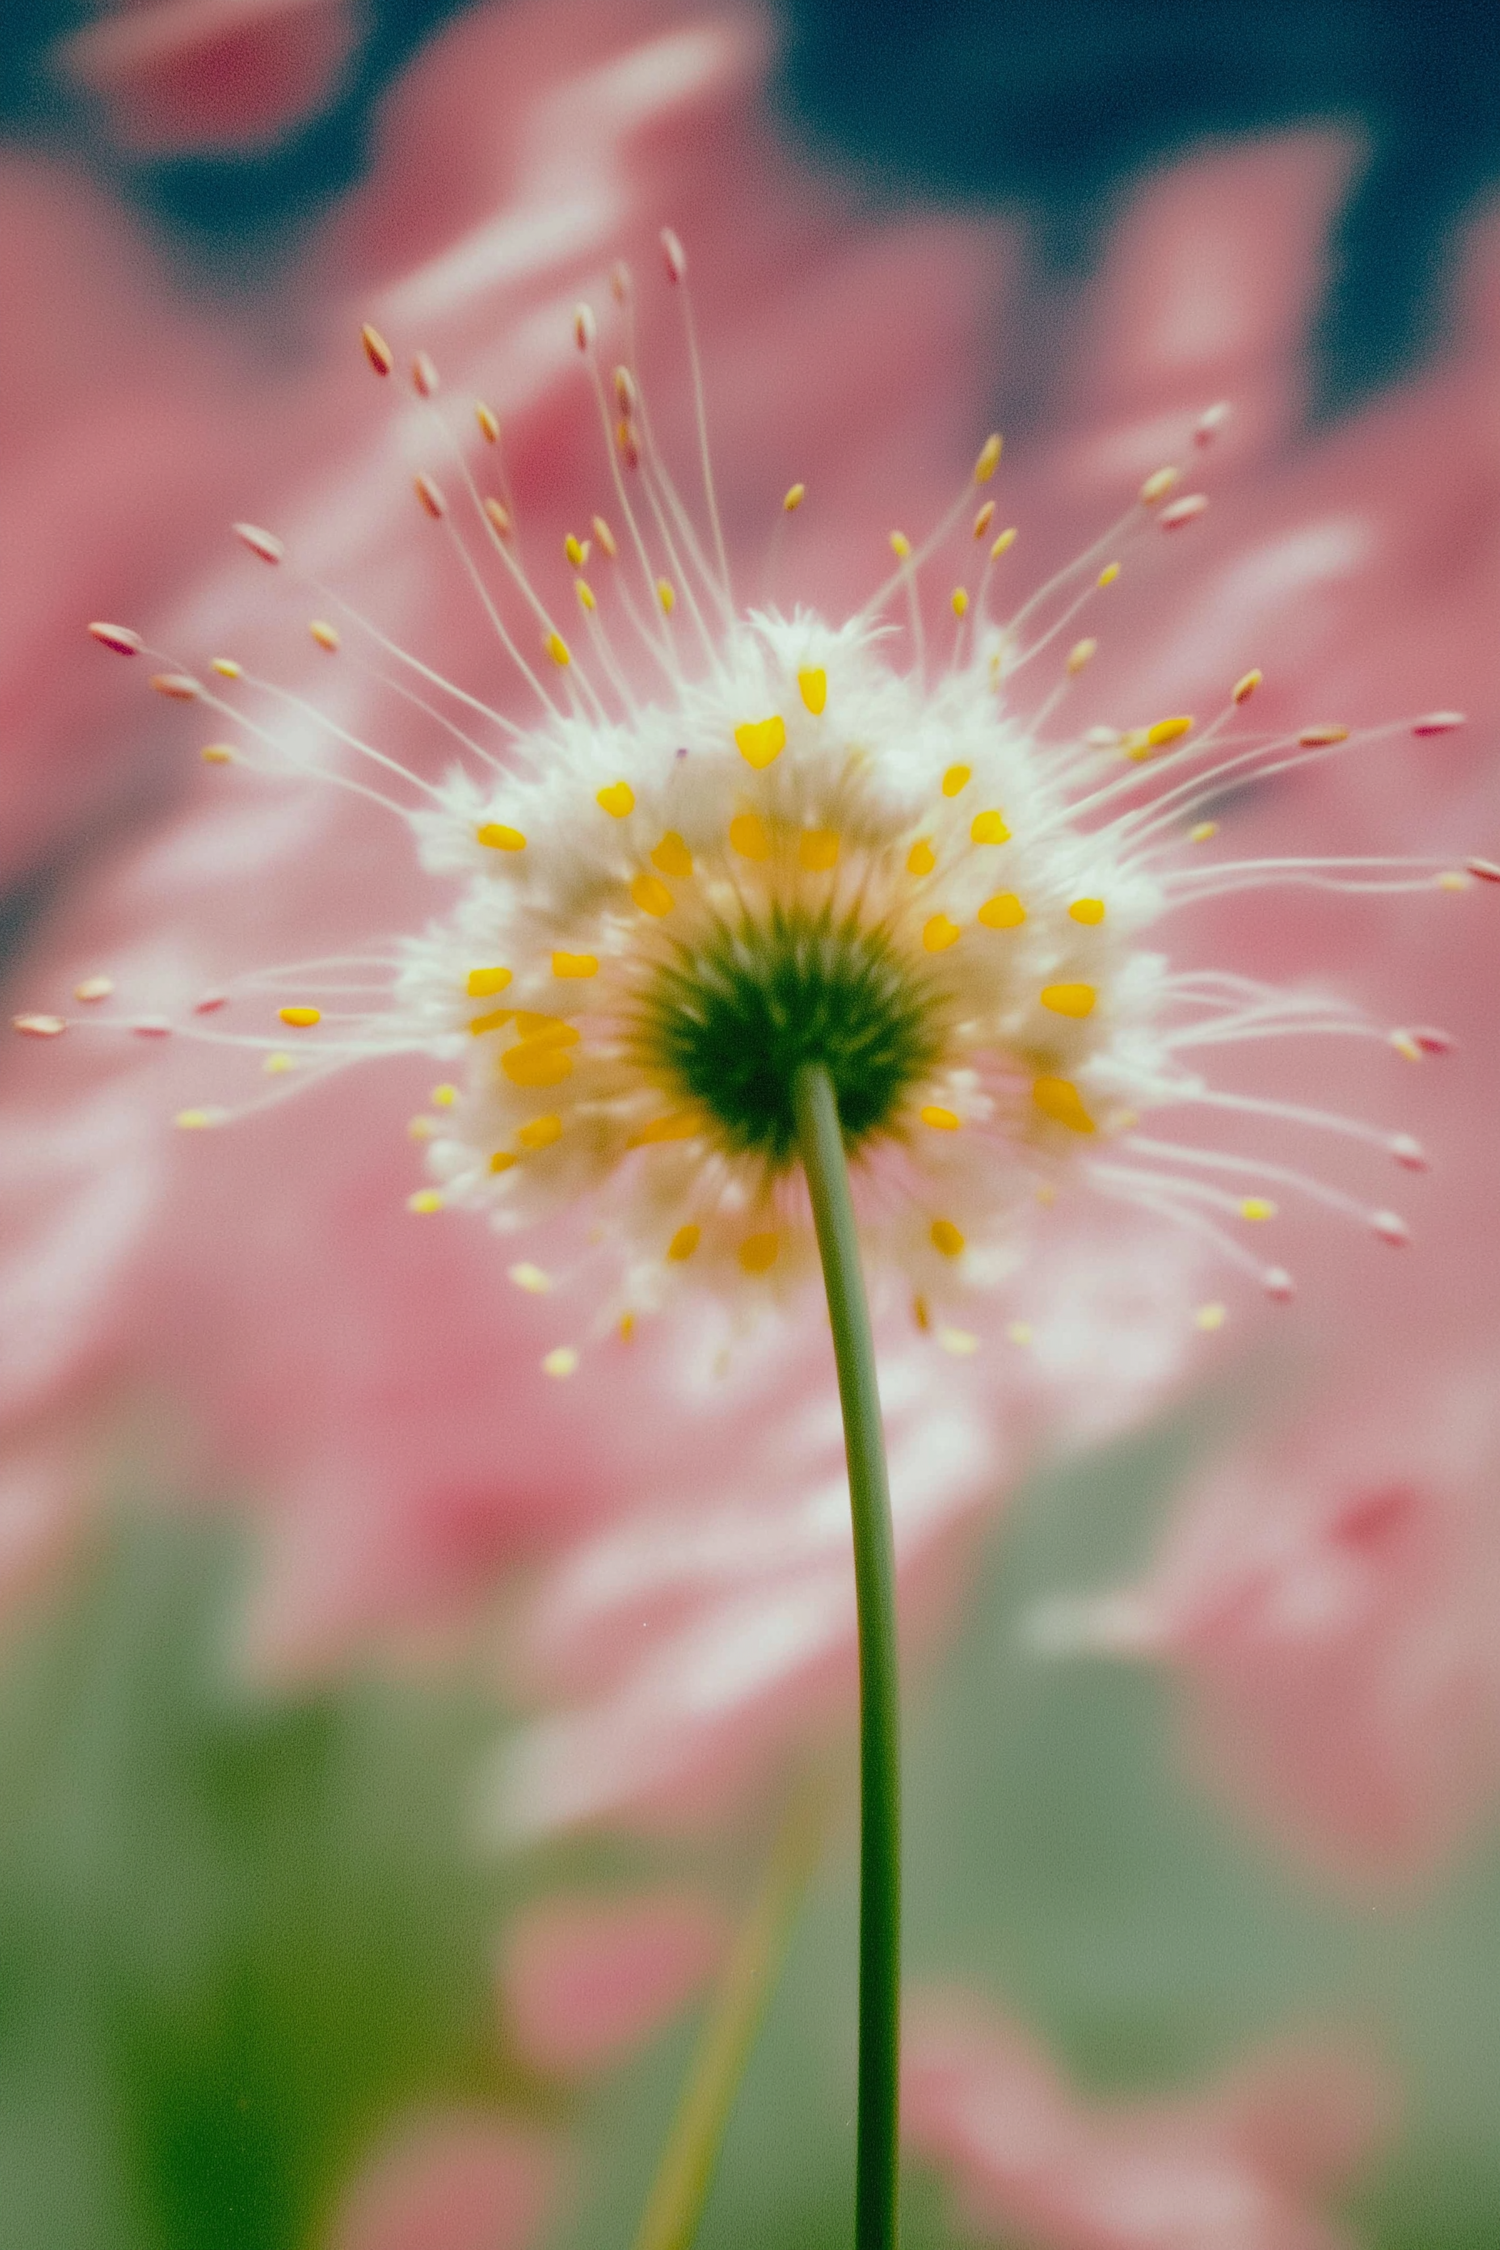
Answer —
218 754
900 545
1059 1099
1080 654
749 836
920 1312
1002 912
574 965
795 495
500 838
958 1341
817 850
531 1278
1168 730
651 895
989 458
563 1361
1019 1332
1136 743
1087 910
1257 1207
301 1019
444 1096
557 648
425 1200
627 1327
198 1120
955 779
943 1120
1069 999
227 668
1404 1044
983 518
683 1243
682 1125
576 550
672 857
1108 575
1245 686
666 594
551 1029
921 859
812 686
1453 880
541 1132
483 983
939 933
617 799
960 600
585 593
759 741
1004 543
489 422
946 1237
503 1160
758 1252
1203 832
1157 487
419 1128
490 1021
1210 1317
324 634
989 828
537 1063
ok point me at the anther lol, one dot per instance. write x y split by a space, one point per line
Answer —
583 327
1069 999
812 686
793 498
749 836
300 1019
1211 422
430 495
1004 543
900 545
672 856
489 422
959 600
651 895
227 668
605 537
1257 1207
989 458
426 1200
1202 831
561 1362
984 517
557 648
1409 1153
940 1119
817 850
1080 654
617 798
1002 912
759 741
1183 511
499 516
265 544
1439 722
666 594
1245 686
532 1279
1278 1285
199 1120
1108 575
946 1238
624 384
585 593
576 551
483 984
955 779
1168 730
504 1160
1059 1099
217 754
683 1243
324 634
499 838
619 282
921 859
1390 1227
178 687
1157 486
424 376
152 1027
120 638
443 1096
938 933
39 1027
1210 1317
1318 738
1486 870
1087 910
758 1253
377 351
989 828
94 988
574 965
541 1132
672 255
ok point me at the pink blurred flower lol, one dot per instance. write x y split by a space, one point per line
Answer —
457 2181
585 1979
1238 2167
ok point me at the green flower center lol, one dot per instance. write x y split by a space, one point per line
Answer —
733 1018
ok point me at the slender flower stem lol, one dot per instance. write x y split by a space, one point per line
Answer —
822 1146
685 2173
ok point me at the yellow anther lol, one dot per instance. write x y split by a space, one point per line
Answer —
651 895
1108 575
795 495
941 1120
1157 487
444 1096
217 754
1019 1332
1404 1044
1079 655
377 351
277 1065
198 1120
759 741
94 988
666 594
900 545
536 1063
575 965
541 1132
1245 686
1453 880
561 1362
1069 999
749 836
617 798
498 516
227 668
758 1252
960 600
817 850
484 983
557 648
1318 738
1136 744
989 458
531 1278
939 933
1059 1099
490 1021
683 1243
1257 1207
532 1025
672 856
1203 831
989 828
627 1327
576 550
324 634
1002 912
921 859
1087 910
489 422
920 1312
955 779
682 1125
984 517
503 1160
418 1128
812 686
500 838
946 1237
962 1343
585 593
1004 543
301 1019
605 537
1210 1317
1168 730
425 1200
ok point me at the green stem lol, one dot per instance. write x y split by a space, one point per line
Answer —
821 1140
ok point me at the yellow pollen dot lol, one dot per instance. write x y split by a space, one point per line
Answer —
627 1326
795 495
1004 543
574 965
94 988
576 551
422 1128
1059 1099
503 1160
989 828
324 634
672 857
198 1120
921 859
1019 1332
444 1096
666 594
617 799
682 1125
758 1252
227 668
1069 999
1002 912
759 741
1453 880
489 422
531 1278
1210 1317
651 895
500 838
541 1132
989 458
939 933
960 1342
1080 654
817 850
1108 575
955 779
945 1237
983 518
1157 487
683 1243
557 648
585 593
1168 730
301 1019
1257 1207
1404 1044
537 1063
1203 832
1087 910
491 1021
900 545
561 1362
217 754
483 983
812 686
1245 686
749 836
960 600
425 1200
942 1120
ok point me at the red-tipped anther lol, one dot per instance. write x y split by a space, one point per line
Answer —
1439 722
1211 422
118 637
619 281
151 1027
424 376
673 257
583 326
1409 1154
210 1003
39 1027
499 515
1391 1228
1485 869
262 543
377 351
1183 511
624 390
1432 1041
1278 1285
430 495
180 687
